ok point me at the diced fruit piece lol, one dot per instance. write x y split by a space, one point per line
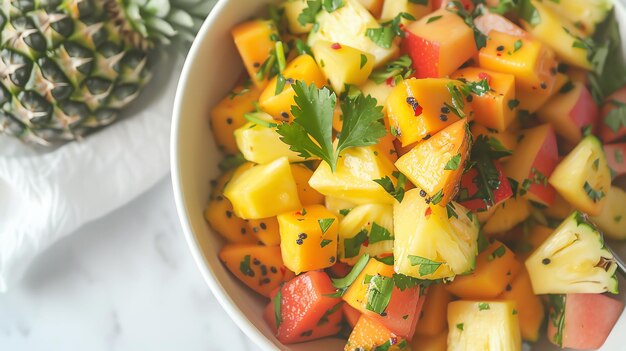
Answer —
531 100
582 321
375 7
615 157
433 320
380 92
227 116
508 139
308 238
293 9
262 144
468 5
436 165
612 219
560 35
305 309
375 283
263 191
351 315
529 305
571 113
532 240
507 215
532 164
489 325
308 195
583 177
366 229
488 22
353 179
496 266
437 342
347 26
266 230
343 64
419 108
559 209
529 60
278 103
253 40
386 147
585 14
338 206
469 189
259 267
417 9
433 242
573 260
495 109
370 334
613 126
438 44
219 214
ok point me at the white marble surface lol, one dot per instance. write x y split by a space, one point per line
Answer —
124 282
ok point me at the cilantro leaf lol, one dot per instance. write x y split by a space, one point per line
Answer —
379 233
594 195
457 8
483 306
397 191
379 293
401 67
404 282
352 246
609 63
384 35
358 267
231 162
309 13
616 118
453 163
556 316
427 266
325 223
362 123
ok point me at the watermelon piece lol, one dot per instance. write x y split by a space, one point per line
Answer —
615 157
305 309
469 189
582 321
352 314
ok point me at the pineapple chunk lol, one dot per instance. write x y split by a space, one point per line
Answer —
347 26
583 177
353 180
366 229
612 219
263 191
373 6
432 241
253 40
262 144
343 64
417 9
507 215
380 92
573 260
585 14
489 325
308 238
338 206
293 8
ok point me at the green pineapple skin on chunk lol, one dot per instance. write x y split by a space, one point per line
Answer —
574 259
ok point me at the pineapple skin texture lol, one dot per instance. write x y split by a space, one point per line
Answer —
71 69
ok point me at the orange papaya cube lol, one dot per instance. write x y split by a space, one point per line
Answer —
531 100
496 266
529 305
438 44
227 116
533 162
351 315
306 310
278 103
527 59
308 196
433 320
615 154
417 9
222 219
370 334
308 238
438 342
506 215
611 129
571 112
496 108
266 230
436 165
488 22
254 43
260 267
532 240
419 108
507 138
401 313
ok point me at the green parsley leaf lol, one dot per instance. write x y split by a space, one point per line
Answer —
401 67
325 223
352 246
459 326
517 45
451 211
458 8
529 13
388 260
244 267
556 316
497 253
302 48
513 104
384 35
309 13
483 243
426 266
453 163
436 199
379 293
363 61
379 233
482 306
280 84
616 118
397 191
325 242
404 282
594 195
504 7
433 19
479 88
341 283
277 301
344 212
609 63
458 100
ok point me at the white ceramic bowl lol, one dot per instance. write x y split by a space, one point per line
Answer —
211 69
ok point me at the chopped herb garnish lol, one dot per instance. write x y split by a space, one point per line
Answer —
309 13
379 233
325 242
427 266
609 73
277 301
245 88
513 104
479 88
379 293
388 260
556 316
436 199
596 164
458 100
311 132
302 48
616 118
587 130
280 84
619 156
402 67
497 253
517 45
433 19
451 211
459 326
403 282
344 212
257 118
457 8
363 61
352 246
325 223
483 243
514 312
384 35
453 163
397 190
594 195
482 306
419 2
345 282
244 267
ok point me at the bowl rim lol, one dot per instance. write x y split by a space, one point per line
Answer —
244 324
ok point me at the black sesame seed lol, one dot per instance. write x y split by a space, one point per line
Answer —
546 261
332 259
263 226
500 48
273 269
229 120
264 281
307 333
302 236
508 273
383 314
255 229
422 193
543 85
426 137
263 269
443 118
284 115
410 100
243 230
256 65
509 287
299 242
256 262
229 214
445 109
470 98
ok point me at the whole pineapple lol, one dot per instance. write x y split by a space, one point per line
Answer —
67 67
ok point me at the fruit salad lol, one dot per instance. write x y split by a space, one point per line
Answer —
426 174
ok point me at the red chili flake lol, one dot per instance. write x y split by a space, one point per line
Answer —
417 110
498 54
366 243
283 271
335 46
428 212
483 75
393 340
391 82
534 88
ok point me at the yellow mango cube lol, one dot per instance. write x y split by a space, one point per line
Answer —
356 295
278 105
483 325
343 64
308 196
392 8
263 191
352 181
254 42
373 6
266 230
308 238
293 9
532 100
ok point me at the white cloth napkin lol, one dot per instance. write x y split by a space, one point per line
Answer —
44 196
